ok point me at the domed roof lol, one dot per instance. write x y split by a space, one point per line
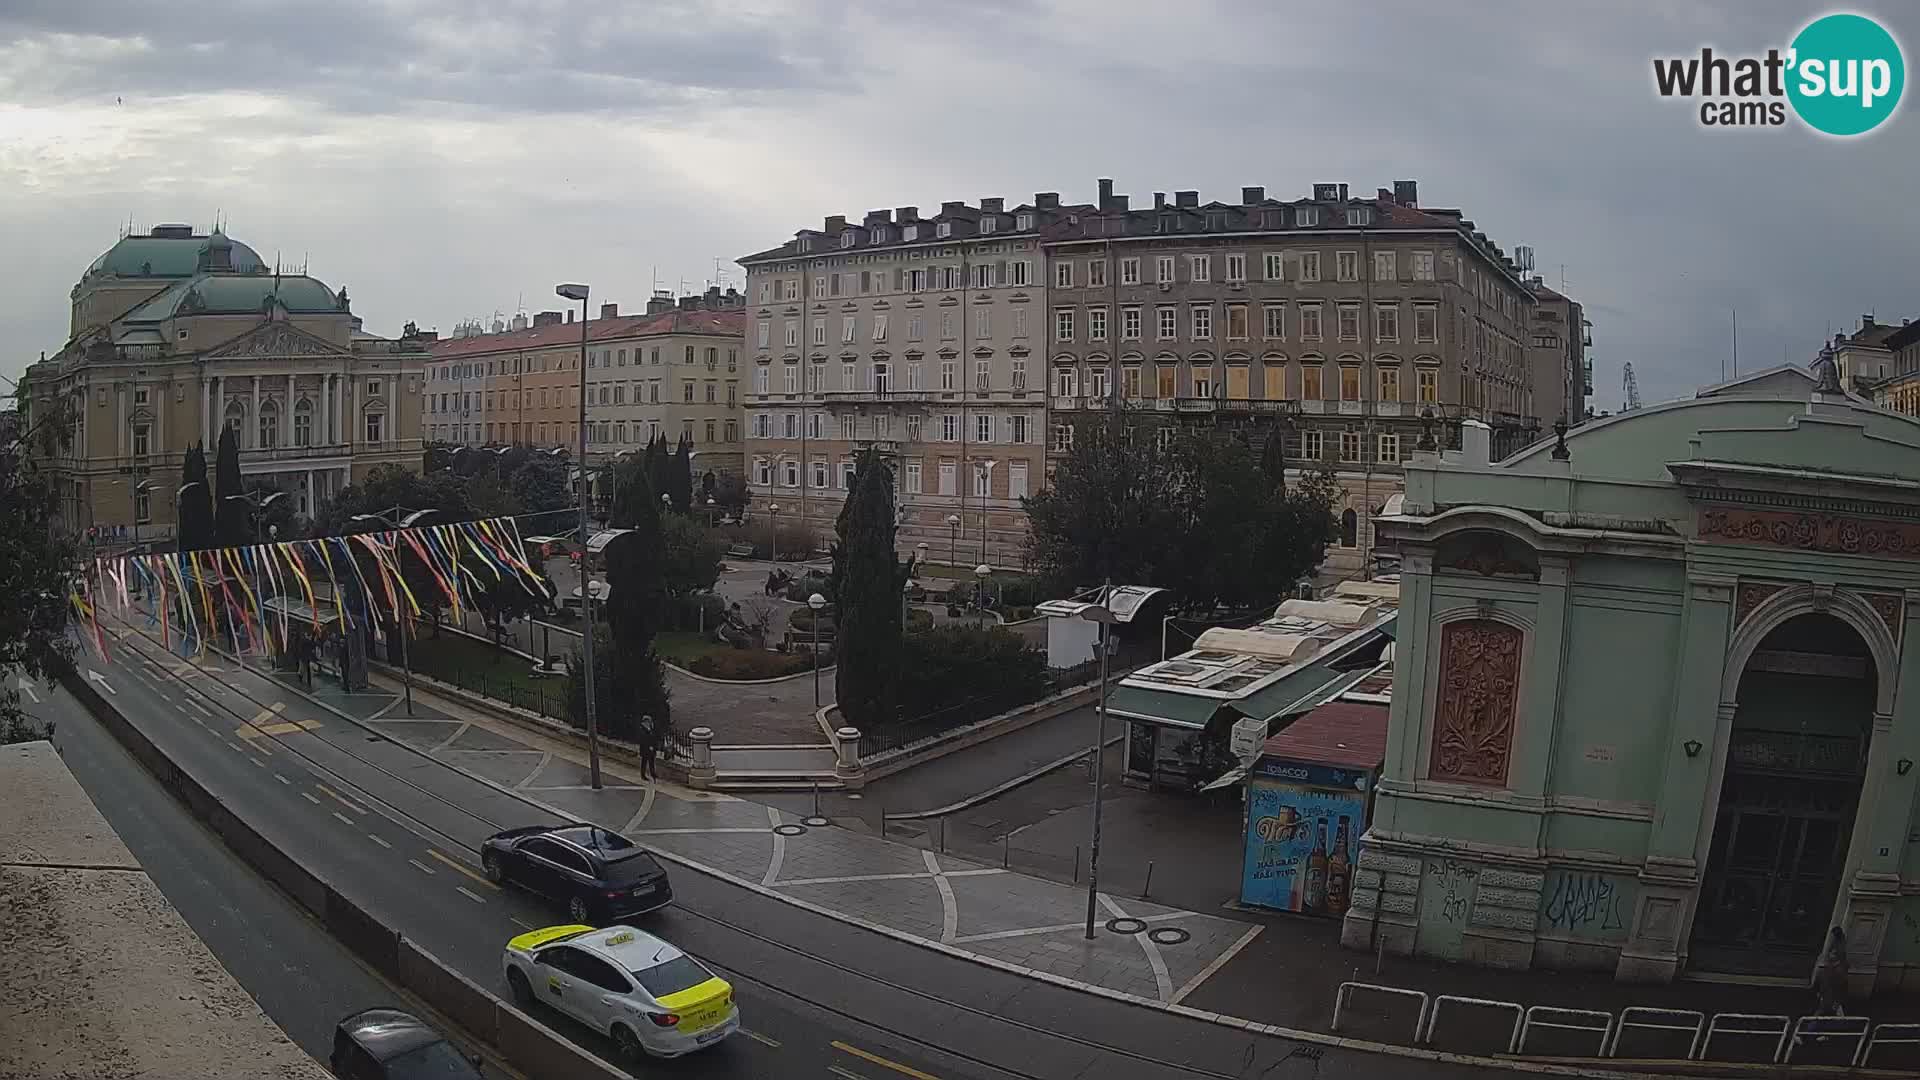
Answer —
238 294
170 251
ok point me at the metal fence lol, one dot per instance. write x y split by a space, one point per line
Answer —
905 733
547 698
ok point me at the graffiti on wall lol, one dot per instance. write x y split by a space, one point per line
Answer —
1587 904
1452 885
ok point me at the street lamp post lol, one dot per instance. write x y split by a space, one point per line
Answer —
980 594
1103 615
580 292
816 602
953 538
710 506
773 533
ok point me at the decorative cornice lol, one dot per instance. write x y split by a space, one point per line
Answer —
1814 532
1718 498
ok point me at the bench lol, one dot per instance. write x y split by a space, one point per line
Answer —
740 551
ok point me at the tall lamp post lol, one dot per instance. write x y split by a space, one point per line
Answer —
579 292
980 595
816 602
1103 615
953 538
710 506
773 533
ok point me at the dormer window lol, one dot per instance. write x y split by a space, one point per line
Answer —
1216 220
879 235
943 230
910 232
1273 219
1307 216
989 223
1359 215
1168 223
848 238
806 243
1023 222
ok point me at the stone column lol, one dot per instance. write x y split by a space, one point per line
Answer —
700 772
1404 744
324 411
120 419
252 433
1532 772
313 494
286 413
847 767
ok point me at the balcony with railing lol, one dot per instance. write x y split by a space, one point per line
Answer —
880 397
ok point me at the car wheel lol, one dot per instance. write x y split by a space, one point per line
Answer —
577 909
490 863
625 1041
522 993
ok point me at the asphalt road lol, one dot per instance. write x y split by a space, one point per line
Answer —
398 832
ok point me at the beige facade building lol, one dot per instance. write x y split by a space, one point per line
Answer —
922 337
1344 317
675 371
1557 351
175 335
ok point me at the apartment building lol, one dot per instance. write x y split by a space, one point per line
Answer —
674 371
1345 318
921 337
175 335
1557 353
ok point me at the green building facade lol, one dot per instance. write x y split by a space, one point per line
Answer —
1653 710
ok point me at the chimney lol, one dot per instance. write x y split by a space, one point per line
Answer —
660 302
1120 202
609 311
546 318
1343 193
879 217
1383 196
1186 198
689 303
993 206
569 315
1866 321
907 215
1159 200
1406 192
1251 195
1047 200
1476 443
1106 194
1325 192
835 222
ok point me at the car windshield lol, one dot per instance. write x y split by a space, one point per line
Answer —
434 1061
677 974
635 867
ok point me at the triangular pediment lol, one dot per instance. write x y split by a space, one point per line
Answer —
271 339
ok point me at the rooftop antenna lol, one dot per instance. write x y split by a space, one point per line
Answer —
1736 343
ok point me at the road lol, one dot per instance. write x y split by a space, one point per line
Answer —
397 832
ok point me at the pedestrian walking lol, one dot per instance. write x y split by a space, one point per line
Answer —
1830 977
649 746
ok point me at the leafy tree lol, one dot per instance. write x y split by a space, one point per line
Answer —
867 581
731 495
35 580
689 556
390 487
436 456
1110 511
195 529
949 666
624 689
539 485
280 518
232 517
636 603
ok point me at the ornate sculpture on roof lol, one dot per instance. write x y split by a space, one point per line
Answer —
341 299
1826 373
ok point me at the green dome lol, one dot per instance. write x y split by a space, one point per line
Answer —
237 294
173 253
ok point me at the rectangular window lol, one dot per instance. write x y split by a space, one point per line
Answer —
1200 268
1275 266
1236 268
880 327
916 280
764 333
1274 322
813 425
1130 382
983 374
1063 275
686 392
983 275
1389 448
732 431
1389 384
792 477
946 326
1349 382
1063 324
1386 322
1019 364
1164 378
1307 217
1017 428
1312 446
1383 267
847 328
1017 269
375 428
850 377
1097 324
793 334
949 427
1066 382
982 481
1019 322
1309 266
1203 380
913 427
1429 385
983 428
1130 324
913 476
1202 315
916 328
1130 271
1097 382
1426 323
947 375
762 470
1346 265
1096 273
1312 378
1165 270
1017 480
1062 437
1349 446
1169 323
1237 329
819 332
1423 266
982 323
142 437
947 477
1349 326
819 474
913 375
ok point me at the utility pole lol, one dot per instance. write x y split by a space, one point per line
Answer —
579 292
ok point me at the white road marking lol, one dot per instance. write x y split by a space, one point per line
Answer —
1148 946
1218 963
202 709
759 1038
462 890
949 908
522 923
342 818
310 798
779 850
420 866
282 779
379 841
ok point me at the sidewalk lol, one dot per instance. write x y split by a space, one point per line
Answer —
971 774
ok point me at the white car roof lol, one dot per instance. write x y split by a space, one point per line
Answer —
630 949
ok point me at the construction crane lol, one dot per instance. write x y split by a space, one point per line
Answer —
1631 386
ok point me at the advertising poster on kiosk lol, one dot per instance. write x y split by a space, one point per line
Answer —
1303 836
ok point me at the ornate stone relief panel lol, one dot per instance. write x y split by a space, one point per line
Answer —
1844 533
1478 697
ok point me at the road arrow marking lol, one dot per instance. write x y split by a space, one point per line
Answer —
27 689
262 725
102 680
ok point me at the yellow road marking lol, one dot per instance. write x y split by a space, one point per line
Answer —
759 1038
432 854
341 799
263 725
864 1055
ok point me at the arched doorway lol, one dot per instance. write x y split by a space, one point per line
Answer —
1796 761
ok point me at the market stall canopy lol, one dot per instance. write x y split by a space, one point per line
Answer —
598 541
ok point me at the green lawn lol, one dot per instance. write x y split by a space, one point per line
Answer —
715 660
486 670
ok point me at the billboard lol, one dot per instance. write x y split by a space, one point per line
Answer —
1301 846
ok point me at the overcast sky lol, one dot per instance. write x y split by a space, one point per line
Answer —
447 160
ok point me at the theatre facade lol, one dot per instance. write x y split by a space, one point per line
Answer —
1657 701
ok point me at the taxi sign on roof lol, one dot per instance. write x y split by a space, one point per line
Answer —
537 938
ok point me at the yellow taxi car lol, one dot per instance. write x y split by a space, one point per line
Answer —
650 998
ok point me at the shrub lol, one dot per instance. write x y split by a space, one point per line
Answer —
919 620
807 584
683 612
747 664
983 669
802 619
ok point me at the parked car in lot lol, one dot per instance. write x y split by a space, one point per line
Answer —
597 875
387 1044
650 998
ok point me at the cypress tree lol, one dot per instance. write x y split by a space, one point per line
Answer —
231 527
195 528
1273 457
680 486
867 580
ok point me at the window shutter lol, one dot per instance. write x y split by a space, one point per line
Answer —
899 279
999 272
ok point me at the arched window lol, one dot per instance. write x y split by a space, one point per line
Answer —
235 417
303 423
269 425
1349 529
